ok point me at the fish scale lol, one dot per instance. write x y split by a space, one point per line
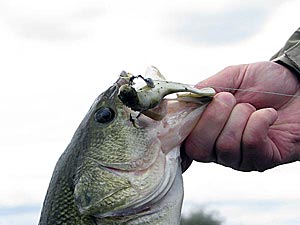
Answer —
121 146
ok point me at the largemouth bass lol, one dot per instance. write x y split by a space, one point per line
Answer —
122 165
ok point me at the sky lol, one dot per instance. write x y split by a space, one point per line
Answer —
57 56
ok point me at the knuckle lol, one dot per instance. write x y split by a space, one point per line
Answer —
250 142
227 149
197 152
226 143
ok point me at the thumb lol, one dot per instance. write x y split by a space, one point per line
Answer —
230 77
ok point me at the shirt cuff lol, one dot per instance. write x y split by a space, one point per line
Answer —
290 58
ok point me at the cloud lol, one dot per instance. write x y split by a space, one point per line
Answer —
46 30
25 214
220 26
65 20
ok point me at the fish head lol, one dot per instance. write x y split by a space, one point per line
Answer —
127 162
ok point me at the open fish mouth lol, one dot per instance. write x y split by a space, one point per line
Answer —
149 97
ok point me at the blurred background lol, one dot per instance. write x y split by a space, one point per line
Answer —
57 56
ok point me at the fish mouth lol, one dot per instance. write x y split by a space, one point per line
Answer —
111 93
123 79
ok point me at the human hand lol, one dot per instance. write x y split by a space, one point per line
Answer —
249 130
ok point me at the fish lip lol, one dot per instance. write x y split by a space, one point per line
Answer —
121 81
113 90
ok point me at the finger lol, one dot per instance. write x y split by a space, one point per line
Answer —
230 77
228 145
200 143
257 147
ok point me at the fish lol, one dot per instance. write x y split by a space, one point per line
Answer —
123 163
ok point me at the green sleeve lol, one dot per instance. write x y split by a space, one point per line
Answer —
289 55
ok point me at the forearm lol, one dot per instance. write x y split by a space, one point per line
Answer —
289 55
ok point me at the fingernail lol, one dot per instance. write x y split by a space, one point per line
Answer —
226 98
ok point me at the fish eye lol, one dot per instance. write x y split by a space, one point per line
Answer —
104 115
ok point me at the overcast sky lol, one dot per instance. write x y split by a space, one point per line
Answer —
57 56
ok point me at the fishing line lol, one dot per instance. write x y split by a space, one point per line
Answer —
255 91
240 89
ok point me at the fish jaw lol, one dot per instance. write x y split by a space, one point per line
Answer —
179 121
